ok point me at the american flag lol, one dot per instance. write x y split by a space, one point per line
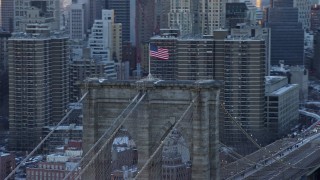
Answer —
160 53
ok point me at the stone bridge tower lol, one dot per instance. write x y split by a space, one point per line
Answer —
162 106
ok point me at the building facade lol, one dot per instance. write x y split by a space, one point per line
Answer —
208 16
238 61
235 13
4 87
315 18
180 16
38 84
287 35
32 11
7 164
123 11
7 10
80 69
76 24
304 12
282 106
105 39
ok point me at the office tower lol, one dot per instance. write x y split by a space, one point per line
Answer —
287 35
180 16
315 18
235 13
304 11
316 60
6 15
282 106
146 20
95 8
103 41
77 21
123 12
105 38
208 15
36 11
162 11
38 84
296 75
4 75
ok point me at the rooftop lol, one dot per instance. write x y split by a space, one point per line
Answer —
284 89
274 79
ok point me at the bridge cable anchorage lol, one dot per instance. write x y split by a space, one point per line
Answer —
165 138
109 139
280 160
45 138
113 127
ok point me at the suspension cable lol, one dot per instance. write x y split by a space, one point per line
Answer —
109 139
44 139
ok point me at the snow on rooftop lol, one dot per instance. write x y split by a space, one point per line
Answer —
273 79
284 89
121 140
2 154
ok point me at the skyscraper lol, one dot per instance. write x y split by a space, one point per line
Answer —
36 11
77 21
235 13
208 15
315 18
95 10
122 12
104 37
103 42
304 10
180 16
4 75
287 35
38 84
7 10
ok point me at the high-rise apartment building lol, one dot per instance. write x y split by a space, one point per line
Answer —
287 35
36 11
6 15
38 84
238 61
244 84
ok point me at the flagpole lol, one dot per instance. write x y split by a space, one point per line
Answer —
149 59
149 75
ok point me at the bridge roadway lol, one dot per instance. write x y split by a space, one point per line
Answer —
286 159
292 166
